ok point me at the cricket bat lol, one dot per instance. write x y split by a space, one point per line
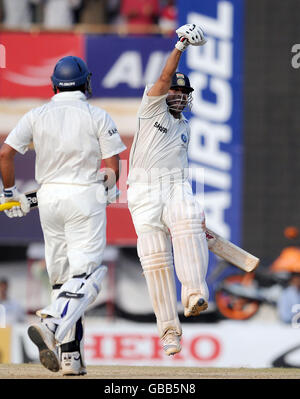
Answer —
216 244
231 252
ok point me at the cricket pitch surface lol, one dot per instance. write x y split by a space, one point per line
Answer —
36 371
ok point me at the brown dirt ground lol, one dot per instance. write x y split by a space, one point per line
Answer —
36 371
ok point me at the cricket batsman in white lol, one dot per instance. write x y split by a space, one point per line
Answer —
71 138
168 220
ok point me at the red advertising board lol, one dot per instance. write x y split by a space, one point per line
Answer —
120 229
30 59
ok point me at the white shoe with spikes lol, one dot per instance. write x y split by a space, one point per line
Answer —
44 339
71 364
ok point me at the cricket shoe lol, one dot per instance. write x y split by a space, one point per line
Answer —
71 364
196 305
171 342
44 339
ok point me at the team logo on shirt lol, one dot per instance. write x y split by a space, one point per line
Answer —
160 127
184 138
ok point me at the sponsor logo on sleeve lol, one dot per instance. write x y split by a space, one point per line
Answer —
113 131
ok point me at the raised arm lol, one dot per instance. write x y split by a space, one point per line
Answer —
163 83
187 34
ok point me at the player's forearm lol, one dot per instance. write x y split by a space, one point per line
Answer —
111 171
111 177
163 83
7 167
170 66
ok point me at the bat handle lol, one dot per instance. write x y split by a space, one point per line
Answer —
8 205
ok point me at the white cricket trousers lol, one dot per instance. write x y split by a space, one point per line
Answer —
170 225
73 220
149 203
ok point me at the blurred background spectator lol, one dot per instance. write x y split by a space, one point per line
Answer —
140 15
16 13
289 258
168 16
59 13
136 16
113 12
93 12
14 312
289 297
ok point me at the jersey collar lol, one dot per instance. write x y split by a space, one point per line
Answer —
181 117
69 95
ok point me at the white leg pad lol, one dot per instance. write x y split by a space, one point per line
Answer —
187 223
73 299
76 308
154 250
72 334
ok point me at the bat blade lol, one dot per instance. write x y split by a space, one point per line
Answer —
231 252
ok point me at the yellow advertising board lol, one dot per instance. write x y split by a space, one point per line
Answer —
5 339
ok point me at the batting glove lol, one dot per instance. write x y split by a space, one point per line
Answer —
193 33
182 44
12 194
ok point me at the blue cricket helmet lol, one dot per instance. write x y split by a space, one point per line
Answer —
70 73
180 80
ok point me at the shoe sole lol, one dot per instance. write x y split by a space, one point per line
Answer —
172 351
47 357
196 308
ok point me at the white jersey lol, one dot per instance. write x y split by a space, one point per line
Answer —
159 148
70 138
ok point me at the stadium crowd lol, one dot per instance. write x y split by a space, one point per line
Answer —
138 16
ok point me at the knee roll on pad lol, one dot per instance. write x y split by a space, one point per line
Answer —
58 302
185 217
154 249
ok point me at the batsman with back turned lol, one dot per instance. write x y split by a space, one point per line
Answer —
168 220
70 139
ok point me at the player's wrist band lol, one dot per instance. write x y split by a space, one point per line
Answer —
8 192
